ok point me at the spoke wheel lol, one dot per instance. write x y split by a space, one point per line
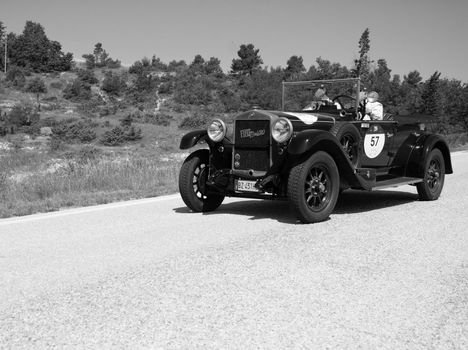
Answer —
313 188
192 183
317 188
434 176
349 138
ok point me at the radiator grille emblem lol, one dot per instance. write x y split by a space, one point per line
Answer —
250 134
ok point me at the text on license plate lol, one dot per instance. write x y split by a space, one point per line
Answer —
244 185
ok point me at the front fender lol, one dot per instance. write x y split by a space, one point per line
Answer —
425 144
192 138
309 141
304 141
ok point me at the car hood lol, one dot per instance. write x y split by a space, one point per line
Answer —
299 117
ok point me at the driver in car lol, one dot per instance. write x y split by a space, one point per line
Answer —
320 98
374 109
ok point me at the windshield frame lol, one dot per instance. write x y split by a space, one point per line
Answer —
356 81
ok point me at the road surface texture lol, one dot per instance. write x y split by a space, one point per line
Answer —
385 272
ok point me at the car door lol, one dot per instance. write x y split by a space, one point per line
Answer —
377 143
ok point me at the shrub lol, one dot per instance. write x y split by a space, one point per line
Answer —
132 134
198 120
119 135
77 91
16 76
74 130
166 88
113 84
57 84
88 153
161 119
113 137
87 76
22 116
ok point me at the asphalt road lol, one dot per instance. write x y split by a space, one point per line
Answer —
385 272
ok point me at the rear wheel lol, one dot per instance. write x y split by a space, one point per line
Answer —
434 176
349 138
313 188
192 183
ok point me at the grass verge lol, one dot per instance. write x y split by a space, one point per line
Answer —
58 183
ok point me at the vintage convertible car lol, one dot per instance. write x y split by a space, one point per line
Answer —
309 156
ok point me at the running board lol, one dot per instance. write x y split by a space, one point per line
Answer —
400 181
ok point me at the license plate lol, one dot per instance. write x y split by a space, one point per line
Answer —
247 186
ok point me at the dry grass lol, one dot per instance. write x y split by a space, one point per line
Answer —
29 183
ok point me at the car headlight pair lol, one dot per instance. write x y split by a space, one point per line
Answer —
281 130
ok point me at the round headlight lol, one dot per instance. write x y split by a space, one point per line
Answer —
282 130
216 130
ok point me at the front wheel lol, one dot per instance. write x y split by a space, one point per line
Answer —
434 176
313 188
192 183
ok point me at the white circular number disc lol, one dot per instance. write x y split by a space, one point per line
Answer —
374 144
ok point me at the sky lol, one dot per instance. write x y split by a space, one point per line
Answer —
423 35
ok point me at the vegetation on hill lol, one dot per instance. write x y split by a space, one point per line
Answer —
69 127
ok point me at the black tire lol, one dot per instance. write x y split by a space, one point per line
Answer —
434 176
313 188
192 183
349 138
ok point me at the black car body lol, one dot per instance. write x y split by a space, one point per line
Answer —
309 156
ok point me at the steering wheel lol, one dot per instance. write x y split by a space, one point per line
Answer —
338 98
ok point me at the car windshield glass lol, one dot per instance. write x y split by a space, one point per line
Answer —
311 95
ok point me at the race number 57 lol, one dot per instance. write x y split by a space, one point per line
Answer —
374 141
374 144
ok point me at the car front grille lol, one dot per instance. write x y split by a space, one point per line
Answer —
252 145
252 132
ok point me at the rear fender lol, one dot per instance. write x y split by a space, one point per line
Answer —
307 142
192 138
424 145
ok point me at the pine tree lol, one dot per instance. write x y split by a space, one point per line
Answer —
431 95
362 65
248 62
295 66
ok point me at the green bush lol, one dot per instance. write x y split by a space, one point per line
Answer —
119 135
113 137
87 76
113 84
160 119
56 84
16 77
77 91
196 121
22 116
88 153
73 130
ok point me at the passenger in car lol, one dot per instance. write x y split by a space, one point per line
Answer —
374 109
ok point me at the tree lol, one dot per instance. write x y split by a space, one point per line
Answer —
33 50
431 95
213 67
362 64
157 64
36 86
379 80
113 84
295 66
3 38
248 62
16 77
100 58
